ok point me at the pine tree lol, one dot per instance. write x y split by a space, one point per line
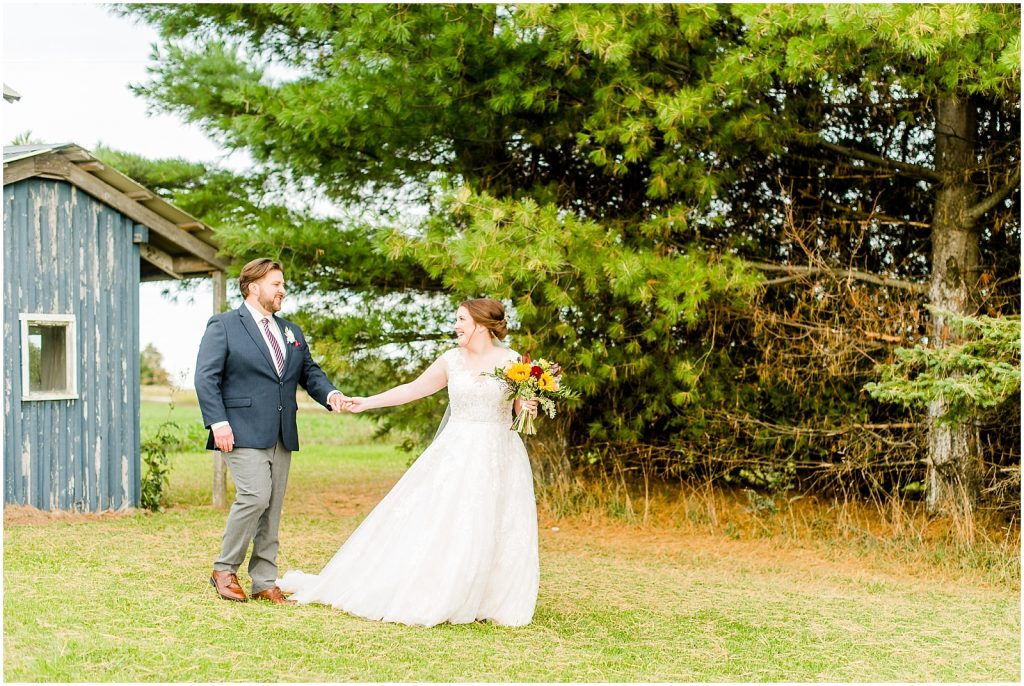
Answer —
656 190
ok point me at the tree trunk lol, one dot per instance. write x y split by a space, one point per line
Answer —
954 456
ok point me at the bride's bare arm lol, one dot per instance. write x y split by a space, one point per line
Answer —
433 379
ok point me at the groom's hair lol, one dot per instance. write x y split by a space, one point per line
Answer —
254 271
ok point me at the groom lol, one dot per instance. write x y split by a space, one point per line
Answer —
249 365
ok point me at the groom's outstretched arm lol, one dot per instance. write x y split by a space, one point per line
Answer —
315 381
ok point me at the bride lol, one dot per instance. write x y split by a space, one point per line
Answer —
455 540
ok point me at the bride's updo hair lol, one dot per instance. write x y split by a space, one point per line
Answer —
489 313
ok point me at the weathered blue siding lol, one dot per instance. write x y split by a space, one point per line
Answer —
66 253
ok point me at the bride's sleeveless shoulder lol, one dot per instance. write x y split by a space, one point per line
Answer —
450 356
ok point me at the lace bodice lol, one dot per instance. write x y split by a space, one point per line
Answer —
472 397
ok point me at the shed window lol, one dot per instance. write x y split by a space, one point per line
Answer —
48 357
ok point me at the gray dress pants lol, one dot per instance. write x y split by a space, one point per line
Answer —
260 476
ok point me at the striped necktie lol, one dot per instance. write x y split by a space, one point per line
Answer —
274 346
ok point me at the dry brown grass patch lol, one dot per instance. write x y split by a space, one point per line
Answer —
892 537
23 515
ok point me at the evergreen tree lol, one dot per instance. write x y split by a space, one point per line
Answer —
623 175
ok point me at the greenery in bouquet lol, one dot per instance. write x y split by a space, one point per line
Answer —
529 380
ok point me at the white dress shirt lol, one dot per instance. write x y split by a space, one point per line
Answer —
275 330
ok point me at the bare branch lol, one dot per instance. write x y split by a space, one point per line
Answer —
991 201
807 270
915 170
783 279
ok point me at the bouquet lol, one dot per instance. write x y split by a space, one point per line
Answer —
527 380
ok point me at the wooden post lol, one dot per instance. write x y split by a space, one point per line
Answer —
220 471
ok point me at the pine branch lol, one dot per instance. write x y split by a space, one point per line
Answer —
991 201
915 170
797 271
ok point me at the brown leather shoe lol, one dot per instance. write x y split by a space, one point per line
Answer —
227 586
273 595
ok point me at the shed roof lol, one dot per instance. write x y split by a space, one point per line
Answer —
179 245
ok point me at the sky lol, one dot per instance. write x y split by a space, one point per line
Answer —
72 64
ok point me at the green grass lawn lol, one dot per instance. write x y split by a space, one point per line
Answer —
126 598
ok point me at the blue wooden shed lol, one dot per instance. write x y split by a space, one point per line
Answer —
78 238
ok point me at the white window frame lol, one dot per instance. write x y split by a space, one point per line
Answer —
70 355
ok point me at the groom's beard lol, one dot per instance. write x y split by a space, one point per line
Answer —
271 305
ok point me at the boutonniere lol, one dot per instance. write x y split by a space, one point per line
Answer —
289 337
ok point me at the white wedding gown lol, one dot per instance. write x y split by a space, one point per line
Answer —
455 540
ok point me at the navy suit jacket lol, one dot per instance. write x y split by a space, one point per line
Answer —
236 381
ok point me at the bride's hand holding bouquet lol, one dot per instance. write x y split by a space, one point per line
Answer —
538 383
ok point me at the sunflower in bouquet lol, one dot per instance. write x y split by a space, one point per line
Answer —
528 380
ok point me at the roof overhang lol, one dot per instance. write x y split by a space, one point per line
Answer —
176 245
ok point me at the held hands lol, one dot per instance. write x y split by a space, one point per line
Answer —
356 405
338 402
